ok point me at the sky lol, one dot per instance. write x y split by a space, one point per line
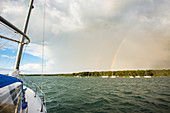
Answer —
89 35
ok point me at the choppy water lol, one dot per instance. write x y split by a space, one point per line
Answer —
106 95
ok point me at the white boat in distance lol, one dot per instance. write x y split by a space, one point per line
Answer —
14 96
104 76
147 77
137 76
113 77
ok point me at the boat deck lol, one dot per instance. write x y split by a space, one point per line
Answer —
34 103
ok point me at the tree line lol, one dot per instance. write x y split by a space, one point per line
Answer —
127 73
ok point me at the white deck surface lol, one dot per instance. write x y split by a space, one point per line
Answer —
34 103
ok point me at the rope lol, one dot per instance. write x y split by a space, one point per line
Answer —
43 43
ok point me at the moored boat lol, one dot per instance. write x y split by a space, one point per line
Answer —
147 77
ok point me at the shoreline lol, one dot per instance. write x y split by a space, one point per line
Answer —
113 74
94 76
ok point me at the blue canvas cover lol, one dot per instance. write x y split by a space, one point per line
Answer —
7 80
10 94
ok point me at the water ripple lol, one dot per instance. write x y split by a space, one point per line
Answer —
97 95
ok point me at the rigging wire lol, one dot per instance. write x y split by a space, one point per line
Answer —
43 43
22 61
8 27
7 41
10 60
3 44
24 54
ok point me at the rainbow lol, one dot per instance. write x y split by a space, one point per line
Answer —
117 52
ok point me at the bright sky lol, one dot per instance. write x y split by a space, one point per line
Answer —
90 35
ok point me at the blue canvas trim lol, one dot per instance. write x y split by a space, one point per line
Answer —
24 89
24 105
7 80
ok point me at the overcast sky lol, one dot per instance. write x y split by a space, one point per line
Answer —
92 35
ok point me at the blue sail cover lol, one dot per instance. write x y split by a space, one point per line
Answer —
7 80
10 94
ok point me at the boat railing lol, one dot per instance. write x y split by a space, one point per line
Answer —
37 90
7 23
42 93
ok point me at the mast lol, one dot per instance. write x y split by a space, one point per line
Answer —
21 44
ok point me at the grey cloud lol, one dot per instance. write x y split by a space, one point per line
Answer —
85 35
102 34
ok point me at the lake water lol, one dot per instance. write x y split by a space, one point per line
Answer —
106 95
